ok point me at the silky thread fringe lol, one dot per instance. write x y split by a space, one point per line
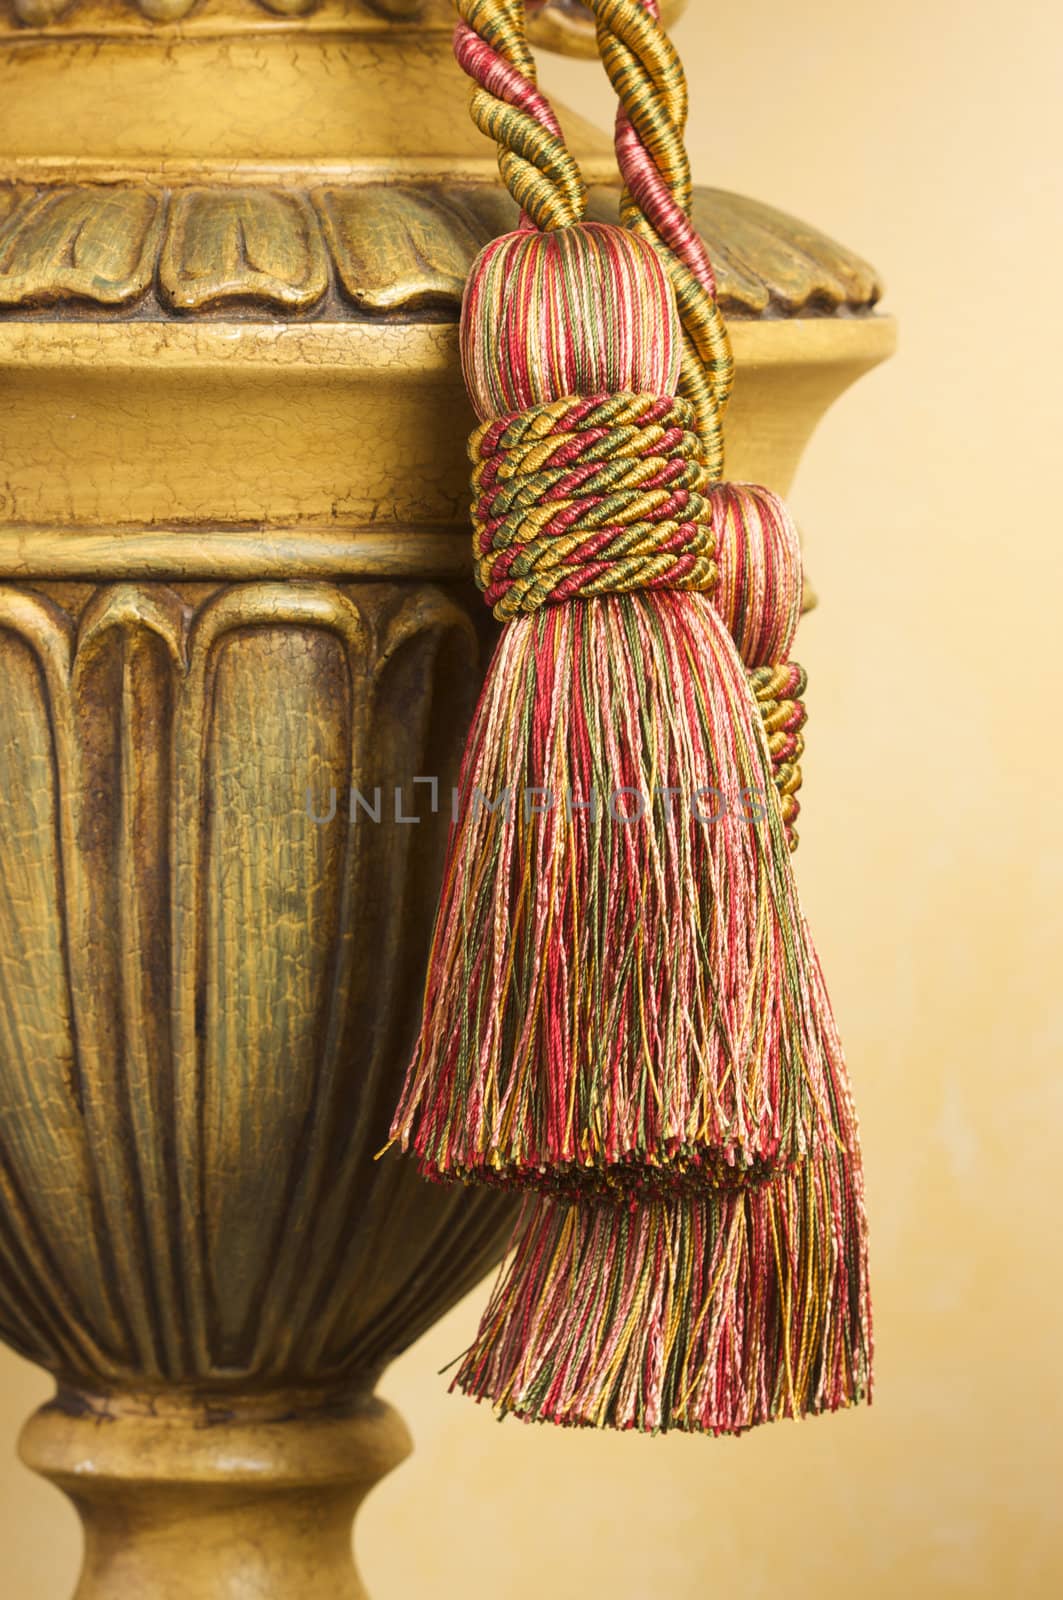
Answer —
706 1315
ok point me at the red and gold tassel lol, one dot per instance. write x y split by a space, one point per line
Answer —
624 1009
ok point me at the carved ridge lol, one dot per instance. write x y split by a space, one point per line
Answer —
50 14
560 25
353 252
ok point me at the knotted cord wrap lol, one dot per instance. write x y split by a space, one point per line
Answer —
587 497
779 692
624 1009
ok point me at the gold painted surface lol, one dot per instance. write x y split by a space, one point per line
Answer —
209 993
283 103
206 990
217 16
30 551
406 248
766 259
69 243
561 25
334 426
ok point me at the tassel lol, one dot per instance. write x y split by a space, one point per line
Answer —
710 1315
715 1312
626 1006
617 995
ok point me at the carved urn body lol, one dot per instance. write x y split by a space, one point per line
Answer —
235 596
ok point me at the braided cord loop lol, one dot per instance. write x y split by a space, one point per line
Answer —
647 75
580 497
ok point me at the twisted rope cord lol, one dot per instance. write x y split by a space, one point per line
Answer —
507 105
778 692
647 75
590 496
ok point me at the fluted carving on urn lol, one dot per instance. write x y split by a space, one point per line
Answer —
208 994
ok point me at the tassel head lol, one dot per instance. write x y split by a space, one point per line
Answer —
584 310
760 572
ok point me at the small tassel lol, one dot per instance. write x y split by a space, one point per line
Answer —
759 595
705 1315
617 996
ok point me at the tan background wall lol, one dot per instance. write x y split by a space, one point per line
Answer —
925 134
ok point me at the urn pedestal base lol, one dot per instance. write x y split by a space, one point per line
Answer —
215 1499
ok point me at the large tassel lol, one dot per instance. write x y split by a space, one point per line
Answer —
617 996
